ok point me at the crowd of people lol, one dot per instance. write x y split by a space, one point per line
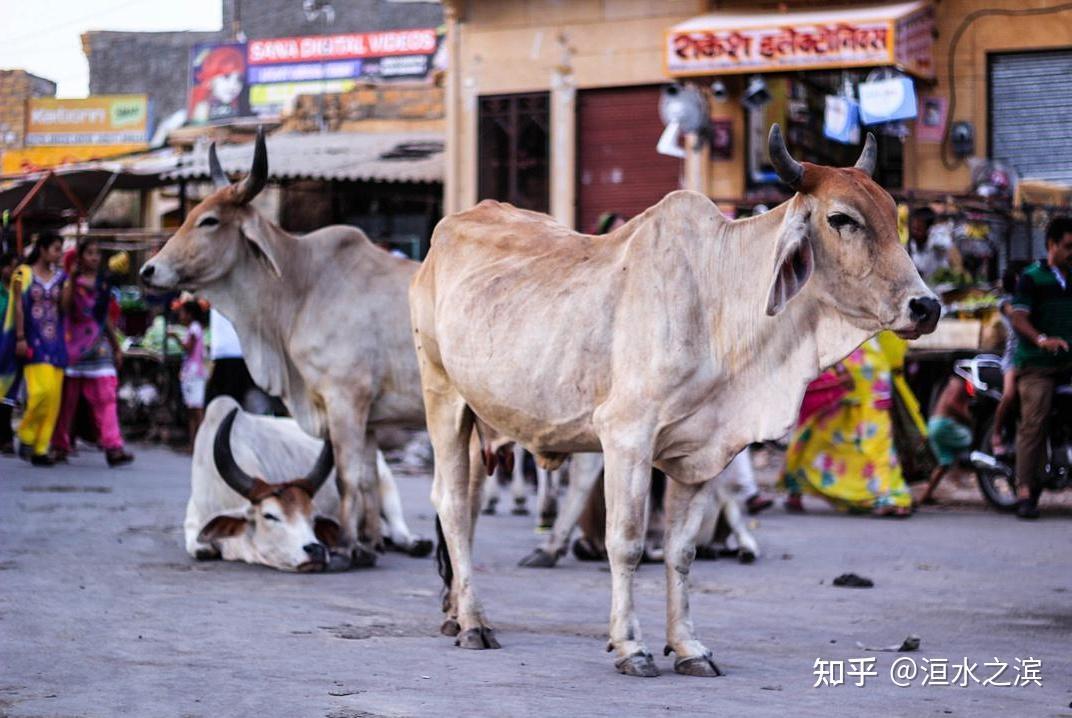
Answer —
59 349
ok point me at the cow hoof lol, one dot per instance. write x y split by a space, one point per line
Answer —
520 511
538 559
641 665
746 556
338 562
488 510
207 554
477 639
706 552
450 627
701 666
420 548
363 558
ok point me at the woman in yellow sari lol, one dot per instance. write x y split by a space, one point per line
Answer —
844 451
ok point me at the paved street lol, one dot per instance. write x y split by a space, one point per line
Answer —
103 614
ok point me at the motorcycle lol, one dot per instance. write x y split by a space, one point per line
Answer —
996 475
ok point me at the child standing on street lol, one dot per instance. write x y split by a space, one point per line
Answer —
194 373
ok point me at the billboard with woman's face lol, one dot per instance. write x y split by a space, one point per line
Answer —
217 83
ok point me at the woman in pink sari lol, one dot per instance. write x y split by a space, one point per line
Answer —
93 355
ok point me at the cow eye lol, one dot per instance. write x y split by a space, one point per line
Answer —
271 517
208 221
838 220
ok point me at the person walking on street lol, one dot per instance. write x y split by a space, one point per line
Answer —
1042 317
39 344
94 356
843 448
8 262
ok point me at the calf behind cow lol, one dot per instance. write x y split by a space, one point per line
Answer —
674 341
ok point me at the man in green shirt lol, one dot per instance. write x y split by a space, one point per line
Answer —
1042 316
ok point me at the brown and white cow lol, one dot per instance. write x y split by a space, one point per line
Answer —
674 341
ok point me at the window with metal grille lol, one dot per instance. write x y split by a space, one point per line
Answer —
514 150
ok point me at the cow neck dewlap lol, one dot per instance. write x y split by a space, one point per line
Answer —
262 306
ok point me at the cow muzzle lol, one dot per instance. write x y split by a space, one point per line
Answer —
318 558
158 275
923 313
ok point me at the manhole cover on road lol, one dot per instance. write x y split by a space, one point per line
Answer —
68 489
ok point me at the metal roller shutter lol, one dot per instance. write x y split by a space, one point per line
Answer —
618 169
1030 101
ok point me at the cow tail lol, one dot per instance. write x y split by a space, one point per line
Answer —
443 565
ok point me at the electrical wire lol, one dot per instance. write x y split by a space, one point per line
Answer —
957 34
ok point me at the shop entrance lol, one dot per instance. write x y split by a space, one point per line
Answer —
618 169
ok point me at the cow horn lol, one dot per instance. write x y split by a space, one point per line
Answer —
219 177
226 465
254 182
869 157
324 464
789 170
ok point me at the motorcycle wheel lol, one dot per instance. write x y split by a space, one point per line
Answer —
997 485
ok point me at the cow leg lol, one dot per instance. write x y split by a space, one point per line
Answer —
627 481
547 483
748 549
491 493
585 471
685 507
517 482
455 495
355 476
397 530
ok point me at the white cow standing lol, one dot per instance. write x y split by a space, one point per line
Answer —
277 524
324 324
674 341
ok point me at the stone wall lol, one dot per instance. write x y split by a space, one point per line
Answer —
155 63
284 18
16 87
407 104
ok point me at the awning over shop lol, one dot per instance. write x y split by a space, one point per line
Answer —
720 43
387 157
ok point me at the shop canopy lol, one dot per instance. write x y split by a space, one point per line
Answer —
720 43
352 156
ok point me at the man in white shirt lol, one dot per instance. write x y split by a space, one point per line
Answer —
230 376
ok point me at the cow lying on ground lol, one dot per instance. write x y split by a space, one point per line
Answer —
248 504
323 321
674 341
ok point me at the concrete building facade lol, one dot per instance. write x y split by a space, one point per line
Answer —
565 54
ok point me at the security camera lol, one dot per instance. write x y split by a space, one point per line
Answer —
719 91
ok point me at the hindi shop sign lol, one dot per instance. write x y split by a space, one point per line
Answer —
96 120
724 44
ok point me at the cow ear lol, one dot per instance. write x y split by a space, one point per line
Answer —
794 261
221 527
258 232
327 531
